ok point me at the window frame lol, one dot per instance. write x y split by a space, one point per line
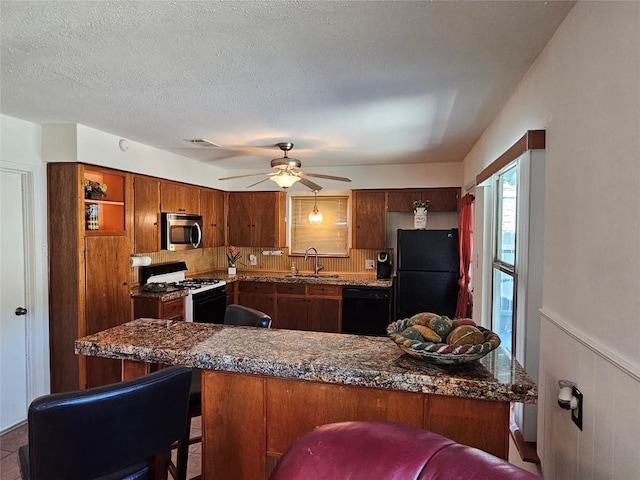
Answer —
320 198
499 265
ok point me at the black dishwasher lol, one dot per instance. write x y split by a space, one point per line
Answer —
366 310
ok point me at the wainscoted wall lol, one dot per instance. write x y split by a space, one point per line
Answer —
583 89
208 259
607 447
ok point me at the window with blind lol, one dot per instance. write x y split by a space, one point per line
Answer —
331 236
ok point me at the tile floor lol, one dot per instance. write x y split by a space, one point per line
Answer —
11 441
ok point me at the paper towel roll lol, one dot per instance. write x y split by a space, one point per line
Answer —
140 261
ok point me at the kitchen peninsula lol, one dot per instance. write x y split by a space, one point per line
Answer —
262 388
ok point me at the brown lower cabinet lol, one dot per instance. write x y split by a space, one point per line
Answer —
145 307
258 295
308 307
249 421
295 306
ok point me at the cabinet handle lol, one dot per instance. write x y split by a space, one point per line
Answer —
124 284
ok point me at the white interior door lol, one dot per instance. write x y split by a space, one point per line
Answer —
13 353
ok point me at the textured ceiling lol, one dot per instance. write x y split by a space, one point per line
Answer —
349 83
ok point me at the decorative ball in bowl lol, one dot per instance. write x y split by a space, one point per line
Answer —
439 340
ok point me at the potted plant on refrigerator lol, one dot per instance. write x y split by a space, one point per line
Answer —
420 214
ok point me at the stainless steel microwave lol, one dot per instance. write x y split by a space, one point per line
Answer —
180 231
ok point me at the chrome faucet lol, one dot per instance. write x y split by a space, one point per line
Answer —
316 267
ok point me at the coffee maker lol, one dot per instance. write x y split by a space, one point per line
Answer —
383 265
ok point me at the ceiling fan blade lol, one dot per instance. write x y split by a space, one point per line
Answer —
328 177
244 176
309 183
259 181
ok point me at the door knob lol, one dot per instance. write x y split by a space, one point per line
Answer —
21 311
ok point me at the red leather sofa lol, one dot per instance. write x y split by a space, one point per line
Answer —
384 451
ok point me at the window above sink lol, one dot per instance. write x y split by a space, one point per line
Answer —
331 237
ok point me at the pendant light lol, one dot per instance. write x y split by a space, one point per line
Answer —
315 217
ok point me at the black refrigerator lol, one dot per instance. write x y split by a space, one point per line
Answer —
427 272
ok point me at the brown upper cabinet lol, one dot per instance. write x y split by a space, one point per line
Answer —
369 219
257 219
179 198
212 210
146 222
444 199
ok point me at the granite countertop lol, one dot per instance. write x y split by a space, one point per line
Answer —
344 279
325 357
351 279
139 292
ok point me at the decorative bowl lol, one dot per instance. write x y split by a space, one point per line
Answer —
441 353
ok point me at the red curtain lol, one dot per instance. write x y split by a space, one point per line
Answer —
463 308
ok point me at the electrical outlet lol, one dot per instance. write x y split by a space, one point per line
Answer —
369 264
576 413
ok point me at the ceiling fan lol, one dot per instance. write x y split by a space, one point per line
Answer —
288 172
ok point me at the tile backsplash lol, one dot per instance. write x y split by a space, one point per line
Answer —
208 259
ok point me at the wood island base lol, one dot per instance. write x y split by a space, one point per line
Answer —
249 421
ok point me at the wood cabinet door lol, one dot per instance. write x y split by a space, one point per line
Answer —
260 301
146 222
230 289
323 314
107 299
401 200
212 210
240 221
442 199
176 198
370 219
292 312
264 219
218 218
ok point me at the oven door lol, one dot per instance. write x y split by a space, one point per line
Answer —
208 306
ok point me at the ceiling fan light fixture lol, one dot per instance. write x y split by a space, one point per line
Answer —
284 179
315 217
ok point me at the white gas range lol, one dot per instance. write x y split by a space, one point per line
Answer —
206 299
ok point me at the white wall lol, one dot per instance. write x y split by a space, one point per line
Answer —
74 142
79 143
584 89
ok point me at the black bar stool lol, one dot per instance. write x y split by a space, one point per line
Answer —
111 432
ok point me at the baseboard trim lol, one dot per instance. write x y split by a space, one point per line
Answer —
527 450
593 345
